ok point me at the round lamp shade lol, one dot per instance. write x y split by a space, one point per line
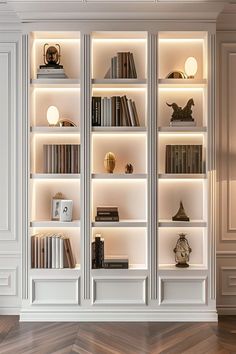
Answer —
191 67
52 115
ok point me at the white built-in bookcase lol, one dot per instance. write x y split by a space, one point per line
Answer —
147 199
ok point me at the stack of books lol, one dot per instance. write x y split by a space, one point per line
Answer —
51 251
45 72
122 67
61 158
184 159
107 213
98 252
114 111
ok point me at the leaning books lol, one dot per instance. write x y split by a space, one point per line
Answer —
114 111
51 251
122 67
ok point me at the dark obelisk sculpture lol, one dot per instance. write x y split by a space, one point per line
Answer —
180 215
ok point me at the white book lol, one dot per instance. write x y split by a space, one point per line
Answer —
61 252
178 123
57 244
45 246
53 251
50 71
131 113
49 241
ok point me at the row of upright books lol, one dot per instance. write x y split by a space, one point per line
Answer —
122 66
115 111
61 158
108 262
51 251
184 159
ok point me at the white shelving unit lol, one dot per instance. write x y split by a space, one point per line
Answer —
65 95
147 199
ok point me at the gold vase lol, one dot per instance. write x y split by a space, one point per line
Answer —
109 162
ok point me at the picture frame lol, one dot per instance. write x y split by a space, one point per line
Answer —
56 207
66 209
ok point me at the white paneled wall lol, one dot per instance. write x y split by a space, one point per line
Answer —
226 240
10 252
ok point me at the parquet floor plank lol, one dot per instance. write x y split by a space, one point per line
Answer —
117 338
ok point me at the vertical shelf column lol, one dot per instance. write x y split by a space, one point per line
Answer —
25 163
211 166
85 160
152 74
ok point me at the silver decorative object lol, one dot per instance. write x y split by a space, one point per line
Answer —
182 251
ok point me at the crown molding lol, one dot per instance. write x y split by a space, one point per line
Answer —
227 19
41 10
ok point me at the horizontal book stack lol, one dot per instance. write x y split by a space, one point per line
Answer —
98 252
114 111
116 262
122 67
62 158
51 251
184 159
108 262
107 213
50 73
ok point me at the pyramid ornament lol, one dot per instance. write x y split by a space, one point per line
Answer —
180 215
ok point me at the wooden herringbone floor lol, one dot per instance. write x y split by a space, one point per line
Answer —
117 338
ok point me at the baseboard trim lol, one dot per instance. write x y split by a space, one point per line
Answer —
115 316
10 311
226 311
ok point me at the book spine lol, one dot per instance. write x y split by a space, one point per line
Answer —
61 253
53 252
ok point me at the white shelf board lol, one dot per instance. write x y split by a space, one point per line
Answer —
55 176
184 129
53 223
121 223
45 270
192 223
54 130
110 83
132 267
178 83
119 176
63 83
182 176
172 267
119 130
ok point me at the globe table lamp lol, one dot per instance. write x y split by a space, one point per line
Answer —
52 116
190 67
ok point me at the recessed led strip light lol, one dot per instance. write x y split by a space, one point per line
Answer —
181 40
175 89
53 40
116 40
59 89
119 89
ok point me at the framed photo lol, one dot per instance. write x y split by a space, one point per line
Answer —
66 210
56 206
